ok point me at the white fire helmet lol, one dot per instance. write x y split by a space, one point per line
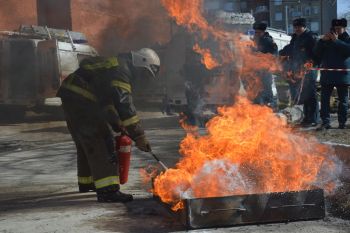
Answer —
146 58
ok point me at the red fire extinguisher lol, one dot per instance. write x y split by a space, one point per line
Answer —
123 146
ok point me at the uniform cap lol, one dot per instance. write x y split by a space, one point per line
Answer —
340 23
301 22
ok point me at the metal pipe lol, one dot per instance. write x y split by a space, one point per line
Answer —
286 18
71 40
48 32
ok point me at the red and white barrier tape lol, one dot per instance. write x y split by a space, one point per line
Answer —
325 69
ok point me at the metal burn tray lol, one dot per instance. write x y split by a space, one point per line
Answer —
251 209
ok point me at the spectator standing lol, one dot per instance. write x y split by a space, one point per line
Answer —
265 44
302 82
333 51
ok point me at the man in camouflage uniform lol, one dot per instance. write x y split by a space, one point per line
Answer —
96 98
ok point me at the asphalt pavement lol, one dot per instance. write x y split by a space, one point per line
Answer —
39 192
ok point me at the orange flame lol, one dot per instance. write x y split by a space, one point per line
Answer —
207 59
188 13
308 65
254 64
247 150
298 75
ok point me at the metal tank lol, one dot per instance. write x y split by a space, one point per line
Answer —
33 62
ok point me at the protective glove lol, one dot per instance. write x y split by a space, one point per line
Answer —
143 144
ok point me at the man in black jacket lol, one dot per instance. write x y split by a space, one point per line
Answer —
264 44
333 51
302 81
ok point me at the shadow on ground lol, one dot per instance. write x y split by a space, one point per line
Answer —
142 216
9 119
34 202
59 129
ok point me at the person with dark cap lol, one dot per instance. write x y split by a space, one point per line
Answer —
264 44
302 81
333 51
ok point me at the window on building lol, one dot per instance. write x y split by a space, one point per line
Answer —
307 11
278 2
278 16
296 14
244 5
315 26
316 10
211 5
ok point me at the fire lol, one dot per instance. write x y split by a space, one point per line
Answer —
207 59
254 65
188 13
242 57
308 65
246 150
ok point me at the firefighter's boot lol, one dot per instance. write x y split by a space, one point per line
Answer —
110 195
84 188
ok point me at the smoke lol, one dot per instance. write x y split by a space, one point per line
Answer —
221 174
248 150
111 26
230 56
123 25
225 178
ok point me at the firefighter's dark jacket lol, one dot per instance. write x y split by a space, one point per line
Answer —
334 55
105 82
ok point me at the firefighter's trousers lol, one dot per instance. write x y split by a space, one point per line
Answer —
90 132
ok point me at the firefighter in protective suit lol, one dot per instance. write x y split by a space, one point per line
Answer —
97 98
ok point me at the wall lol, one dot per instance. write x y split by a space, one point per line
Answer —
16 12
115 26
54 14
110 25
329 12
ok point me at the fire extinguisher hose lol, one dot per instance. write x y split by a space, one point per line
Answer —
158 160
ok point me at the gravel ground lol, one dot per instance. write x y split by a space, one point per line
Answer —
334 135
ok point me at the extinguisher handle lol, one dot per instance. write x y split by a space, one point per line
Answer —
123 132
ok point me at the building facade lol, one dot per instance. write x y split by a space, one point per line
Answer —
280 14
259 9
111 26
318 14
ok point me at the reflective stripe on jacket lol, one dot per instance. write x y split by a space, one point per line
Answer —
106 81
71 85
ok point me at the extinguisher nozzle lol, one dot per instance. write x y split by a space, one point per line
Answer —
163 165
158 160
